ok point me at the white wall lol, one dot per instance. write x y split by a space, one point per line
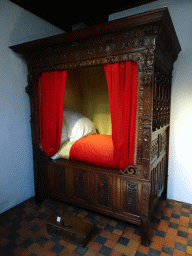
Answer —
180 156
16 166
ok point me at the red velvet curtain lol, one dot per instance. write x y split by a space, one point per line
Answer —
122 80
51 104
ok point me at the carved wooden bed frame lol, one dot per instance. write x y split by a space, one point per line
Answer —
131 194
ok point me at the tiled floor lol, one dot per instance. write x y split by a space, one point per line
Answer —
23 231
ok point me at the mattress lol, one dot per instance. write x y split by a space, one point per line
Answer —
97 149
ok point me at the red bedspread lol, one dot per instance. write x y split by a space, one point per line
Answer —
96 149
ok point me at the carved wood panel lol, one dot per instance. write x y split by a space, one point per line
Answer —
130 196
60 179
145 199
158 145
144 125
80 181
163 141
158 174
104 190
154 149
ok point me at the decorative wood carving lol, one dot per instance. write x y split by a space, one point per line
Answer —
158 179
146 84
154 150
130 170
163 141
145 199
60 180
104 190
130 197
80 179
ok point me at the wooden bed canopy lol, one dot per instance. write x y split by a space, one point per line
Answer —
129 194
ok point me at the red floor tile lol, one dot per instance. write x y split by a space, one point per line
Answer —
170 230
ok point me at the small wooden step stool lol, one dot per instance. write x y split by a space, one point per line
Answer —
70 227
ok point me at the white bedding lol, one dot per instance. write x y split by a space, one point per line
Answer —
64 150
75 126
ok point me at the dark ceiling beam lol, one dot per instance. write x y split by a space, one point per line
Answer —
65 15
118 7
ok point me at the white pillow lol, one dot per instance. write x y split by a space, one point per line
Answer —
64 135
77 125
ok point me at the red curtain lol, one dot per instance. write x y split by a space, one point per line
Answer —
51 104
122 80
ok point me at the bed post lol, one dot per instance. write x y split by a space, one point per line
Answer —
145 213
145 117
40 160
145 231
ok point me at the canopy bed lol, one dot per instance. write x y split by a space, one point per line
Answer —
122 172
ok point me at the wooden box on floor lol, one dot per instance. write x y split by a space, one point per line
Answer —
70 227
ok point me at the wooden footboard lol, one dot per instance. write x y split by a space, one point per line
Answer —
102 190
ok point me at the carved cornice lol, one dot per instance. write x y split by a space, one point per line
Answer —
166 45
97 51
138 57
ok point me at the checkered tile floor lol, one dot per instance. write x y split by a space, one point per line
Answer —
23 231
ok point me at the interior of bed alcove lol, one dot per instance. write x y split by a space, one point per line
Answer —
87 93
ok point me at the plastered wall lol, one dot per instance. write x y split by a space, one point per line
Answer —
16 160
180 153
